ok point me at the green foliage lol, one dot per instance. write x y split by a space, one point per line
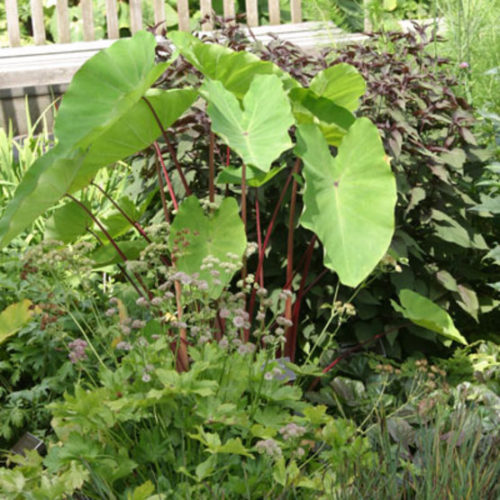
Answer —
361 232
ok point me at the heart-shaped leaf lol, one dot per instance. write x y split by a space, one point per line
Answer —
235 70
259 132
107 86
423 312
349 200
341 83
221 236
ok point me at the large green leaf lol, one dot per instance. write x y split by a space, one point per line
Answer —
333 120
254 177
107 86
134 131
259 132
349 200
194 236
63 170
13 318
341 83
423 312
235 70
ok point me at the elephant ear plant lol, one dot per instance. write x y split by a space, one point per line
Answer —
262 115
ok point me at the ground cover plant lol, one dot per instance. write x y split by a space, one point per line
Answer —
167 303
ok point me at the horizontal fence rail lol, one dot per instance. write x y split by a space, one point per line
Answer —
88 27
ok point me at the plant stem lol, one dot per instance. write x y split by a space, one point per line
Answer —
133 223
211 168
110 239
165 173
182 356
291 334
166 213
244 212
260 276
289 262
170 147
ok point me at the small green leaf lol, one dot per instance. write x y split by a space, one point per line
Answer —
194 236
259 132
255 178
107 254
234 446
67 223
423 312
341 83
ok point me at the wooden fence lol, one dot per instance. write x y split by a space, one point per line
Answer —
136 17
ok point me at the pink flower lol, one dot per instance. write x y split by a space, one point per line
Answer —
464 65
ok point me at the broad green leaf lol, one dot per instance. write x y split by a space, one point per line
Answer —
142 492
254 177
67 223
107 254
341 83
494 254
134 131
235 70
60 171
333 120
423 312
42 186
349 200
107 86
258 132
233 446
13 318
195 236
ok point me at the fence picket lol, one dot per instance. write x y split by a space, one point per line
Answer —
252 10
206 10
159 7
296 8
135 15
88 20
274 11
112 19
63 21
37 21
183 12
229 10
13 23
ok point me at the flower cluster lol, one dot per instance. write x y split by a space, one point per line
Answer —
77 350
292 430
269 447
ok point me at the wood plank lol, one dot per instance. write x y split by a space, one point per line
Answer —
112 19
229 10
37 21
135 16
252 10
13 23
87 20
183 12
274 11
62 13
160 17
296 8
206 10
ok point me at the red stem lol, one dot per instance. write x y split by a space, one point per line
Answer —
291 334
260 276
269 231
162 193
167 178
211 168
170 147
